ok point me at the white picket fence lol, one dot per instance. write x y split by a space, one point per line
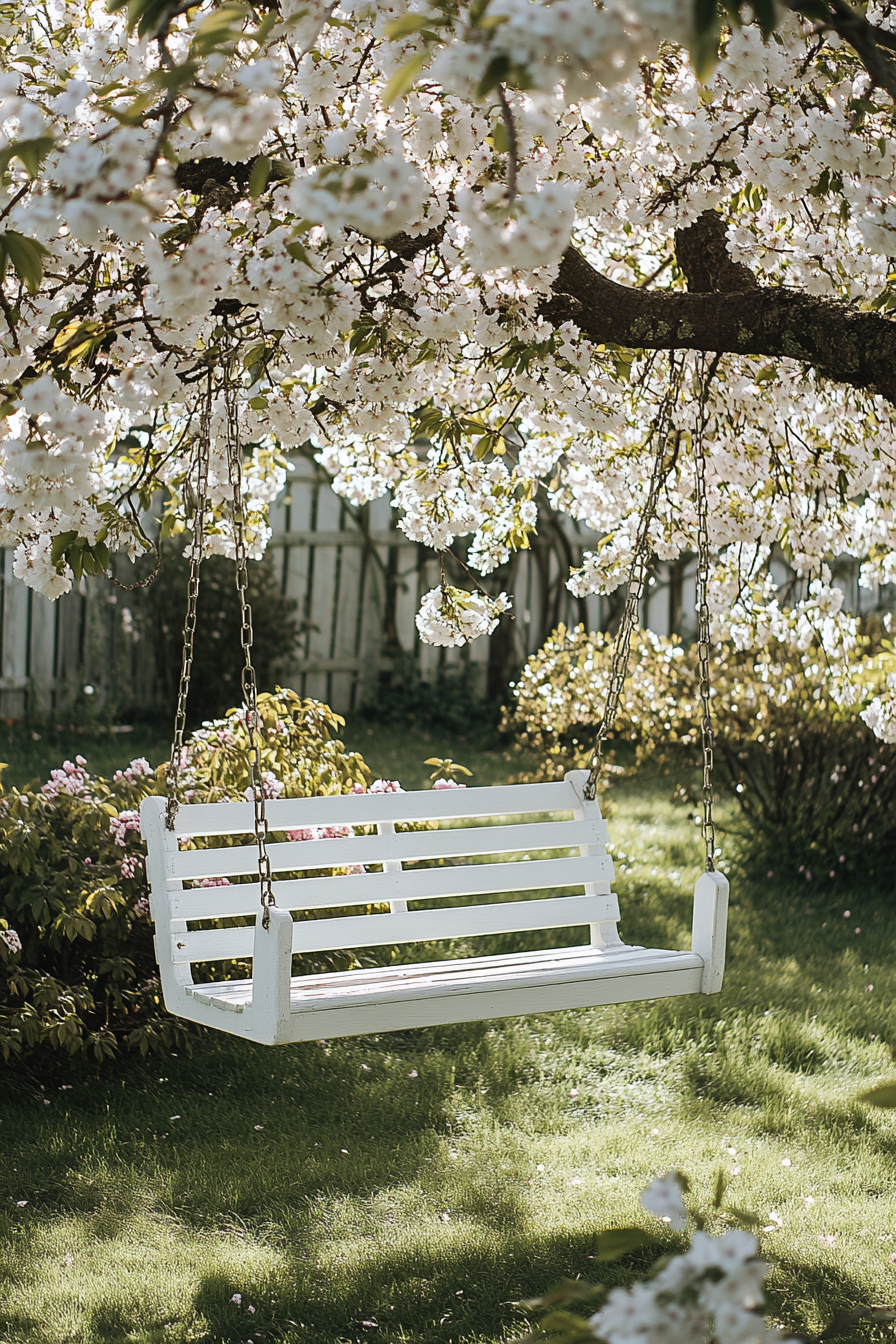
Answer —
357 583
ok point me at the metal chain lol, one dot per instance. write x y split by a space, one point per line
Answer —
250 687
704 647
623 642
189 633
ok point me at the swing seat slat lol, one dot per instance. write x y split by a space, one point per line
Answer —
569 891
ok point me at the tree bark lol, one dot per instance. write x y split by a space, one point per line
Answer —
838 341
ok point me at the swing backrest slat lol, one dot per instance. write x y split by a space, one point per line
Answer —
366 809
414 884
406 847
407 926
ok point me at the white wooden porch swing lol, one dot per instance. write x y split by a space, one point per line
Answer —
490 824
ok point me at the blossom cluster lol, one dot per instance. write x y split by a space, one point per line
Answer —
72 779
11 941
449 616
711 1292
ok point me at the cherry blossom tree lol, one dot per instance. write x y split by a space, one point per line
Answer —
479 257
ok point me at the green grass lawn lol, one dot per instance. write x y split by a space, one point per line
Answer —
414 1187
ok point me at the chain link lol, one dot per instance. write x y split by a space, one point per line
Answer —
704 646
189 632
622 645
250 687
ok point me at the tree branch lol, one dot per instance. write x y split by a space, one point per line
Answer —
871 44
840 342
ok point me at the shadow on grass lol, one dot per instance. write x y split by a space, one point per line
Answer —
434 1293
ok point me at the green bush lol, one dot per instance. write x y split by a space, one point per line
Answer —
447 702
77 966
815 790
217 652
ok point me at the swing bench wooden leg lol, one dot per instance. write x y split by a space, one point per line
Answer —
710 928
271 972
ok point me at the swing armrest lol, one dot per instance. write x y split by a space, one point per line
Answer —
710 928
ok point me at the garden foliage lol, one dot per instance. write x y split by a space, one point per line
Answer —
77 966
815 789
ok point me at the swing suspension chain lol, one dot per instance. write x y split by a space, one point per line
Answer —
703 645
189 631
622 645
250 686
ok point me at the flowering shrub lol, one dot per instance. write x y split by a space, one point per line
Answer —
77 966
711 1293
815 788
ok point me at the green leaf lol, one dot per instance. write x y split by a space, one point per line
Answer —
743 1217
258 179
171 80
222 25
403 79
33 152
499 138
406 24
298 253
147 16
884 1096
567 1290
26 255
620 1240
704 46
572 1327
60 546
496 72
264 29
718 1193
254 355
766 16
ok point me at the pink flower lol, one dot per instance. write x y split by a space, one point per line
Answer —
271 787
141 907
130 865
448 784
320 832
216 882
11 939
386 786
71 779
124 822
136 770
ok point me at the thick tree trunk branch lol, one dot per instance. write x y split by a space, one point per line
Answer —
701 250
840 342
